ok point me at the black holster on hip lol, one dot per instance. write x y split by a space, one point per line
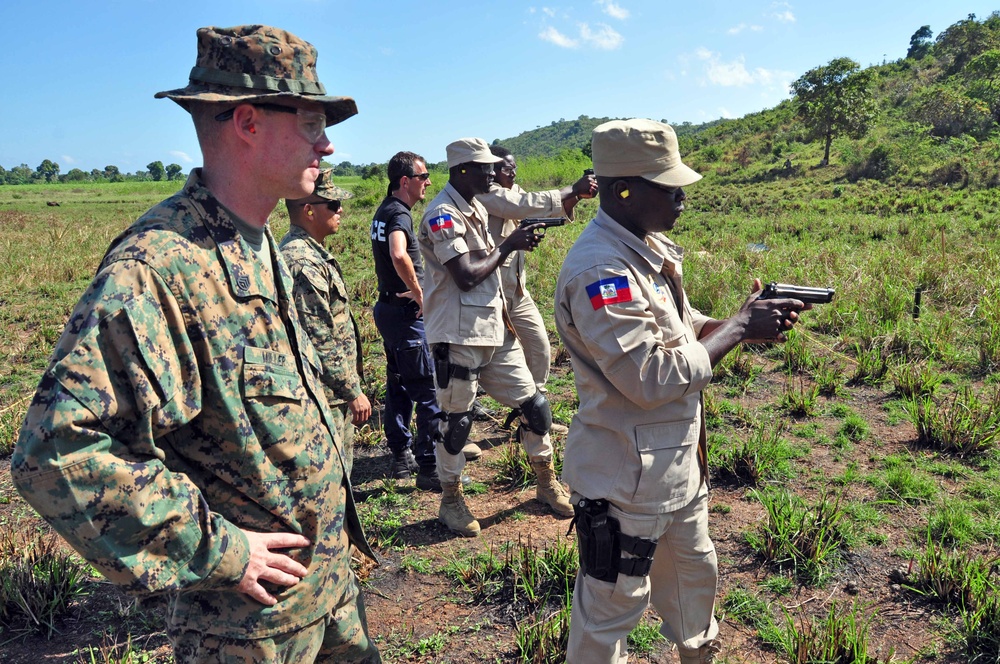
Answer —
601 544
442 368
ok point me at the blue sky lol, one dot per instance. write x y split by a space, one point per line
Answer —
426 73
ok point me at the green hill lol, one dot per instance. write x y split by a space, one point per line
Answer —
933 122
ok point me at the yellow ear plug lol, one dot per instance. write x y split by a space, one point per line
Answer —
624 194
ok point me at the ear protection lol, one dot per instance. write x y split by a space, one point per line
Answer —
309 213
252 129
463 171
624 194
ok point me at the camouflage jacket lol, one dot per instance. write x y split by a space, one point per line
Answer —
182 404
324 305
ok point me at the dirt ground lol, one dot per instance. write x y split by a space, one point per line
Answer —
407 608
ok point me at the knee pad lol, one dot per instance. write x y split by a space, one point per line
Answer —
455 428
537 414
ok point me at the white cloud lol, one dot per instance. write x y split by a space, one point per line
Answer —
552 35
600 36
603 37
548 11
783 12
743 26
725 113
66 159
613 9
183 156
735 73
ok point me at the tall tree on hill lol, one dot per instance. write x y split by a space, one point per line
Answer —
835 100
920 43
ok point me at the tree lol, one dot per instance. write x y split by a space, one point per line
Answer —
983 76
20 174
835 100
75 175
920 43
47 169
173 171
963 41
156 170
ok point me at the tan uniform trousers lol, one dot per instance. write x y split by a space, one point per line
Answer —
681 586
530 329
340 637
506 378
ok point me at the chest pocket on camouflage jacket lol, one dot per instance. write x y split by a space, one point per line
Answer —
272 396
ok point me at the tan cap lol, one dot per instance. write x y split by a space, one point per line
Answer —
645 148
465 150
326 189
251 63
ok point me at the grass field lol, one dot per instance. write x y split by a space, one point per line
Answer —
870 436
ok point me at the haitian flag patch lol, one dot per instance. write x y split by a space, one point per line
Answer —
440 223
609 291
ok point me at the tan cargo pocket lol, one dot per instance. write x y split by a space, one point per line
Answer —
667 451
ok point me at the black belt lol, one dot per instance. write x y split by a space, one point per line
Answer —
385 297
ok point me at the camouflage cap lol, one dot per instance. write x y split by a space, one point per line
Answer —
250 63
325 188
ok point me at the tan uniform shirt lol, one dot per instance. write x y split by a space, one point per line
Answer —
507 207
639 370
450 227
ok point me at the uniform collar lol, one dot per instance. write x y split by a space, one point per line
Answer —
299 233
474 209
657 250
242 266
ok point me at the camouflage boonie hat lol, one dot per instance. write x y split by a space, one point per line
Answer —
250 63
325 189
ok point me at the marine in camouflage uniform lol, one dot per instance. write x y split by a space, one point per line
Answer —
323 302
179 439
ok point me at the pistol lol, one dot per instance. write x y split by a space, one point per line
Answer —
545 222
802 293
588 171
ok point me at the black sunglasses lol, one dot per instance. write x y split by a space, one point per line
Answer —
420 176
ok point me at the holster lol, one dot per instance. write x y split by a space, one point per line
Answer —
601 544
442 368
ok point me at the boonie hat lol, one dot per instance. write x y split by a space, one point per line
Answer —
465 150
326 189
250 63
645 148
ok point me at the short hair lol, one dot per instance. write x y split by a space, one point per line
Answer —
499 151
400 166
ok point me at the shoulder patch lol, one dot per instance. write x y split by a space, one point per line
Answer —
609 291
440 222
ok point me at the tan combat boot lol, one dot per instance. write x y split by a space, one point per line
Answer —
472 451
703 655
454 513
550 490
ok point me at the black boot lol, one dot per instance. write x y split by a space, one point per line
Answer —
403 464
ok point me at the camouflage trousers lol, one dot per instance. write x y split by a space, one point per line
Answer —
341 637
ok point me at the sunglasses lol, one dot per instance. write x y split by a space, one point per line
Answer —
420 176
310 125
332 206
